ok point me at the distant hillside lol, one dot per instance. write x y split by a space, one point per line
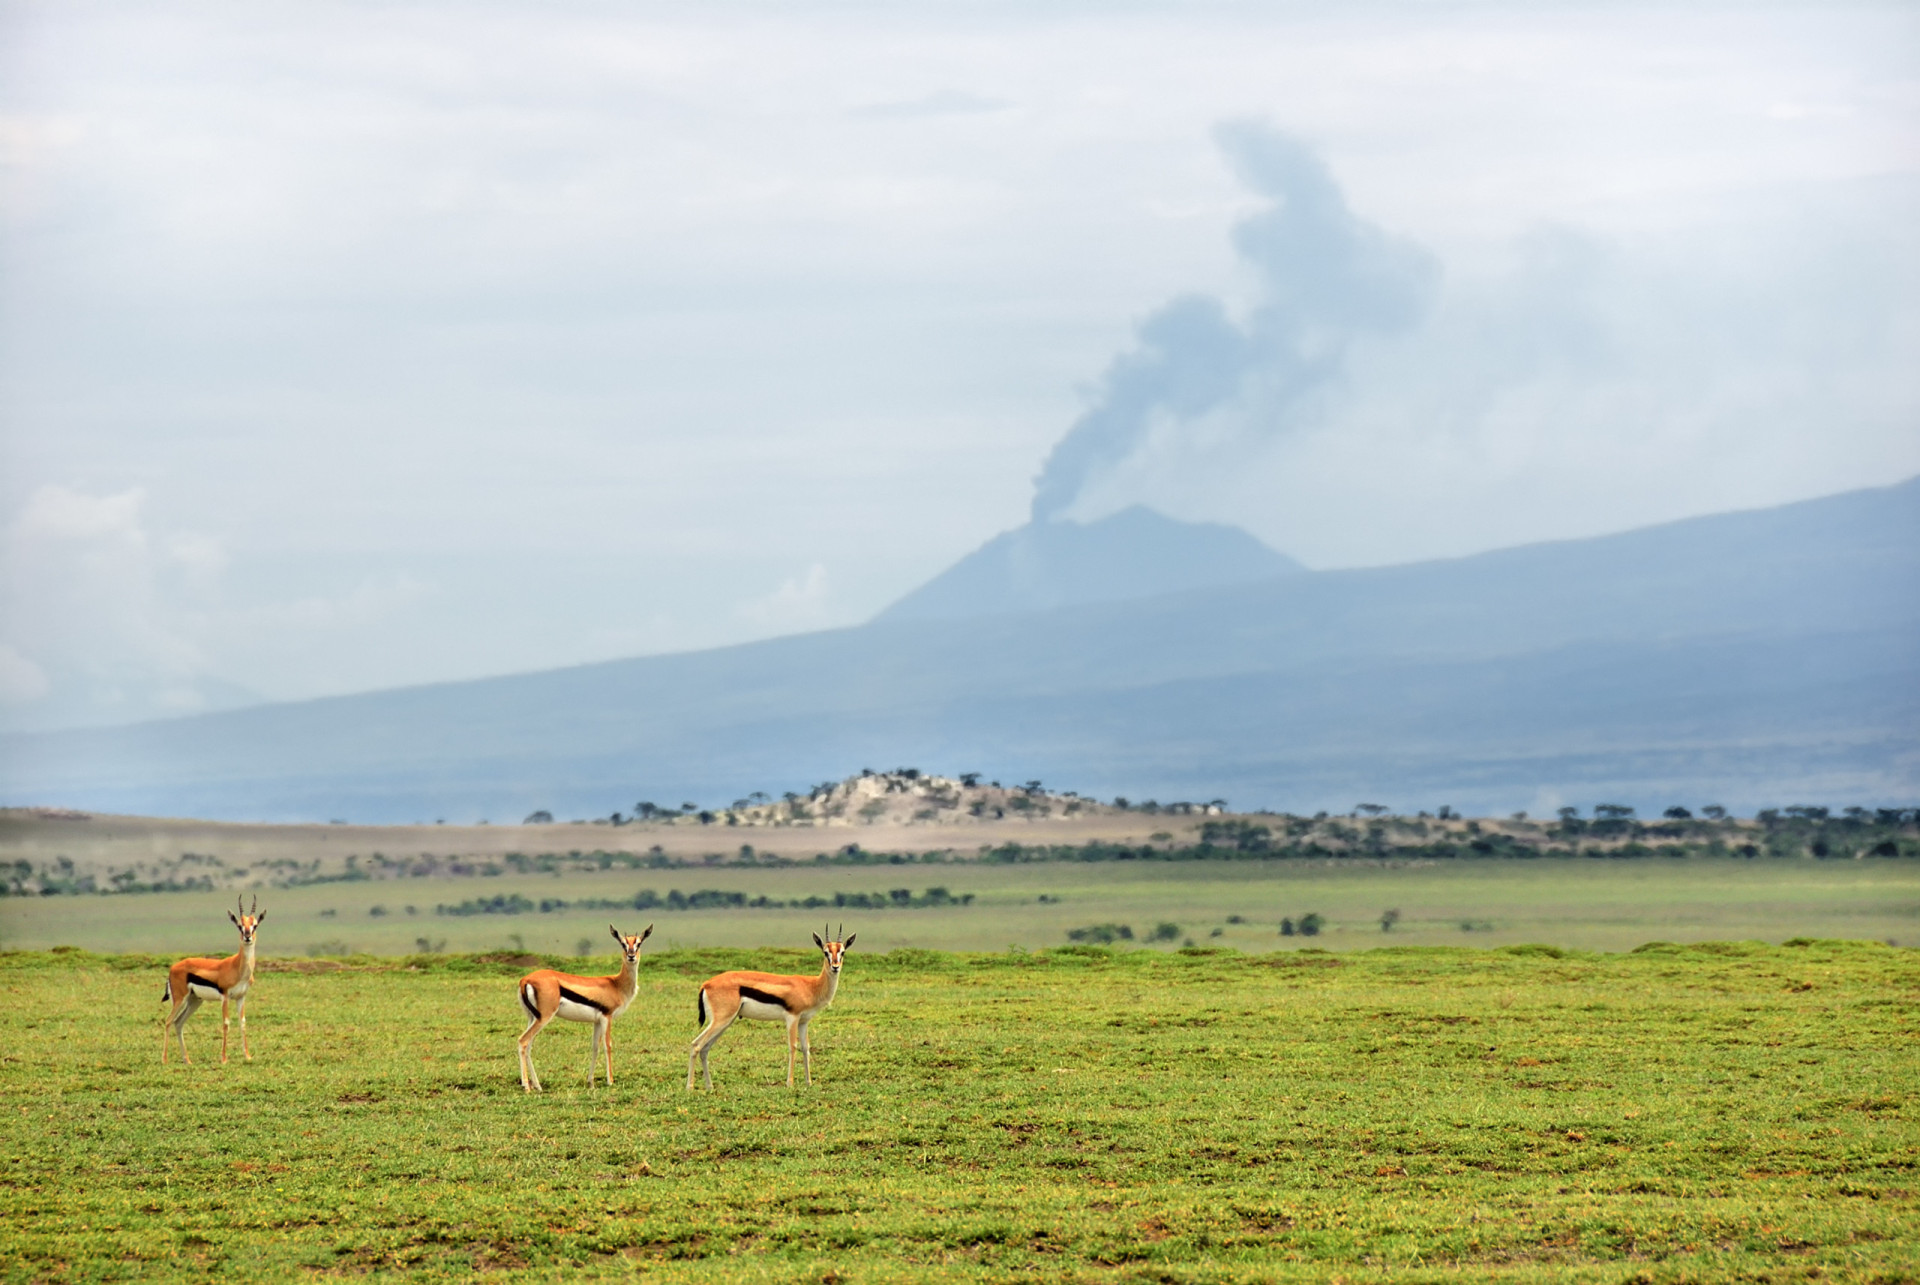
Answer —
1748 659
1135 553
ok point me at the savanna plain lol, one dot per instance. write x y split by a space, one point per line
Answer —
1677 1112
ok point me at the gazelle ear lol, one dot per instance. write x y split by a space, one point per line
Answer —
848 943
648 933
816 941
259 919
617 937
234 917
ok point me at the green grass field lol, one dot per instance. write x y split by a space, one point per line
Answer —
1720 1112
1589 904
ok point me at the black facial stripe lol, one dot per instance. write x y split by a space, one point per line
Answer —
765 997
578 998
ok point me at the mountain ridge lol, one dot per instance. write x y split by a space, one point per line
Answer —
1292 691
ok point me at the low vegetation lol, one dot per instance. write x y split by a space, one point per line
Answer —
1367 834
1714 1112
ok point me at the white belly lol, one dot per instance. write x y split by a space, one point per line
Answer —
198 991
573 1012
760 1011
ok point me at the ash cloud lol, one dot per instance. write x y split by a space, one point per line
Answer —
1326 278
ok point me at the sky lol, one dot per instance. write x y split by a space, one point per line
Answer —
347 346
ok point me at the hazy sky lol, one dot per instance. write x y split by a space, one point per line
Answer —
346 346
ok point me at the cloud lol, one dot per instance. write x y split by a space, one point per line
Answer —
1325 277
87 627
799 603
944 102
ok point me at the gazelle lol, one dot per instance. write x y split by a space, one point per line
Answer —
767 997
547 994
193 980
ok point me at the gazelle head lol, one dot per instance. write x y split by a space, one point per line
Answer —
630 946
247 921
833 949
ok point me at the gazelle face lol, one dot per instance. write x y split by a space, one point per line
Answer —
833 950
247 921
630 946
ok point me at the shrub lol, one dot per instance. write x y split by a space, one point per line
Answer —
1388 918
1102 934
1165 932
1310 924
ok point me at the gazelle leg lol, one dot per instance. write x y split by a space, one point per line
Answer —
702 1046
593 1054
240 1011
529 1077
608 1040
224 1001
181 1014
166 1022
806 1050
793 1036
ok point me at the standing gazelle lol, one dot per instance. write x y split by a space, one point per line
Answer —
547 994
767 997
193 980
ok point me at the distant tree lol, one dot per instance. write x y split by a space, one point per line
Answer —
1388 918
1446 813
1612 811
1568 814
1370 809
970 779
647 811
1310 924
1120 801
1677 813
1286 927
1714 811
1164 932
689 807
542 817
706 818
1032 787
1806 812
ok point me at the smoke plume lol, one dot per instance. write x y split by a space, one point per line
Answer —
1325 278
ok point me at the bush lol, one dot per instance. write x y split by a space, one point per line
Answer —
1165 932
1103 934
1310 924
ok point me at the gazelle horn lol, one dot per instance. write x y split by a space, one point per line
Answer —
256 904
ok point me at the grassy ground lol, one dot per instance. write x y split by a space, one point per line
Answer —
1593 905
1679 1113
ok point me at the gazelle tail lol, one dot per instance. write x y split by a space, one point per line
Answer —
700 1008
527 1000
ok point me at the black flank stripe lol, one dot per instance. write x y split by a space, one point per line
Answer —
765 997
578 998
194 979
